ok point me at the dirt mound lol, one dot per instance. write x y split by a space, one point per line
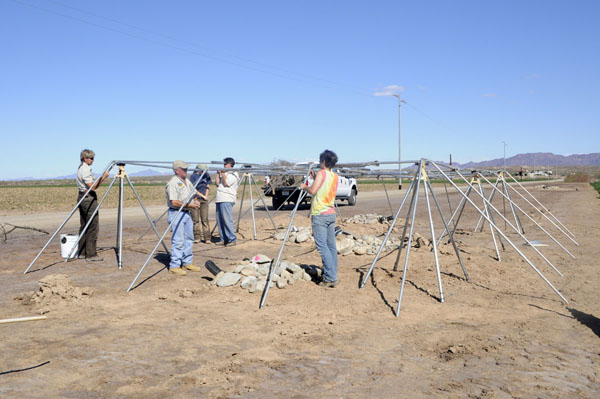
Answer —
53 289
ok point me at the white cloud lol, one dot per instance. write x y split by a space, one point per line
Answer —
389 90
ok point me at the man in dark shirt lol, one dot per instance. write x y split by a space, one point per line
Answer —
200 215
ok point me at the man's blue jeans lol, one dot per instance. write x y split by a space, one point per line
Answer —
182 239
225 221
323 228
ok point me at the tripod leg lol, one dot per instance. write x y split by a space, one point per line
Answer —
410 207
435 252
449 233
152 225
387 196
264 203
76 244
251 207
386 237
154 222
410 236
237 230
120 222
487 213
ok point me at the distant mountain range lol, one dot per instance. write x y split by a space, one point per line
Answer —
540 159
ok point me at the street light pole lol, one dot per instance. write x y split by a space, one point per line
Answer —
504 142
400 101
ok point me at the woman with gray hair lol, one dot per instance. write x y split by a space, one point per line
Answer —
85 180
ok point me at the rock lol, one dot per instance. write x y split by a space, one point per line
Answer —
360 250
344 244
279 236
249 272
263 269
217 277
286 275
228 279
248 282
281 283
185 293
294 268
261 259
239 268
162 296
347 252
306 277
260 285
302 236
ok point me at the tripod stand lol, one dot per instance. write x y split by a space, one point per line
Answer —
122 176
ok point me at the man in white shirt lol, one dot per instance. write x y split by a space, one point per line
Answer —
85 180
179 191
227 184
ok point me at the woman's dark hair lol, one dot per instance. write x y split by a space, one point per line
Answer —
329 157
229 161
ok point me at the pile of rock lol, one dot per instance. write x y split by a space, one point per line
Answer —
368 244
251 274
298 235
369 218
53 289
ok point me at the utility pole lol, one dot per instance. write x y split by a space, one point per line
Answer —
504 142
400 101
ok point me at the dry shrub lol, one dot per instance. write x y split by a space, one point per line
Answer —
578 177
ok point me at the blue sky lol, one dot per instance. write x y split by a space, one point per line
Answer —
264 80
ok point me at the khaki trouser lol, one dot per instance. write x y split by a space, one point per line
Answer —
200 219
87 243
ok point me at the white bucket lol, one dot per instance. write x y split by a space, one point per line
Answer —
67 241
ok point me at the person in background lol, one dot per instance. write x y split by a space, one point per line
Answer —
200 215
322 212
85 180
179 190
227 184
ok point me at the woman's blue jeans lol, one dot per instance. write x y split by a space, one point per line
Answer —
323 228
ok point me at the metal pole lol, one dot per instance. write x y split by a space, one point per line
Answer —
110 165
251 206
410 236
490 199
485 208
544 215
542 205
152 225
541 228
120 218
410 207
400 101
155 222
187 200
513 227
245 177
449 234
76 244
386 237
503 235
459 209
387 196
435 252
285 238
512 208
263 201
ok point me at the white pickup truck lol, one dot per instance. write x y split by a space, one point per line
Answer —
283 189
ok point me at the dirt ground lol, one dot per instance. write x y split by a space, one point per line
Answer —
504 334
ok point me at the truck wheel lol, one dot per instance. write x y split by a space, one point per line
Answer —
277 201
352 198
